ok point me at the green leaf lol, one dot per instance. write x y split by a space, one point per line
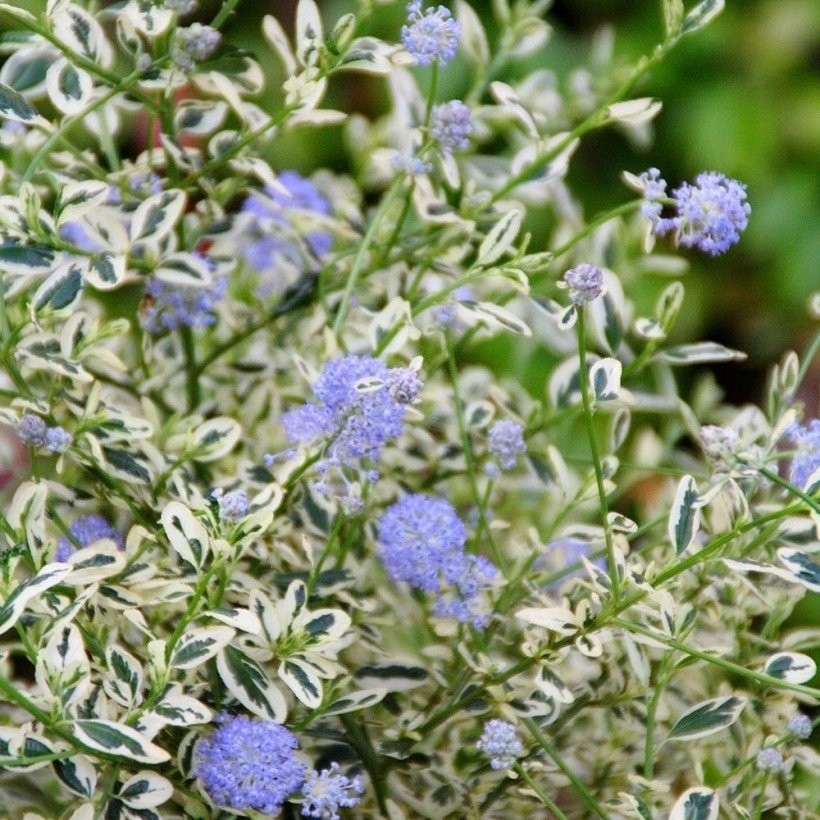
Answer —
707 718
804 569
130 465
698 803
106 271
25 70
499 240
77 775
355 701
303 682
702 14
49 576
61 290
117 739
699 353
684 518
250 685
69 88
672 16
187 535
198 645
157 216
391 677
605 379
15 107
25 259
792 667
145 790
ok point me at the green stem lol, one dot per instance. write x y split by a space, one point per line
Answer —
357 736
364 247
580 789
758 677
790 488
469 458
525 776
192 388
222 15
331 540
583 379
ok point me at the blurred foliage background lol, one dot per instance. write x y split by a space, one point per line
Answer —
741 97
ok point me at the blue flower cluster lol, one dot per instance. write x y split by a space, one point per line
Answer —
585 283
806 459
499 742
326 792
431 36
34 432
505 440
360 405
87 530
451 125
421 541
170 308
250 764
274 240
709 215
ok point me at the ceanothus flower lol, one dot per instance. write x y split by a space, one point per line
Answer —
451 125
170 307
769 759
195 43
360 420
500 743
326 792
272 226
585 283
233 505
709 215
432 35
654 190
800 726
806 458
505 440
85 531
421 541
249 764
31 430
57 440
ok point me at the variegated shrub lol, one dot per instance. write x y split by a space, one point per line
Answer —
274 541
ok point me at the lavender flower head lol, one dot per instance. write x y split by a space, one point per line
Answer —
654 190
499 743
58 440
195 43
505 440
451 125
806 459
87 530
585 283
360 421
31 430
709 215
329 791
432 35
273 226
232 505
169 307
421 541
800 726
249 764
769 760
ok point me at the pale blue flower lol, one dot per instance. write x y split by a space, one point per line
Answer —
585 283
31 430
800 726
654 191
432 35
57 440
451 125
709 215
806 458
500 744
769 760
170 307
85 531
505 440
250 764
233 505
326 792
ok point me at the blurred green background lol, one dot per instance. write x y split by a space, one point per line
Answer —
741 97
